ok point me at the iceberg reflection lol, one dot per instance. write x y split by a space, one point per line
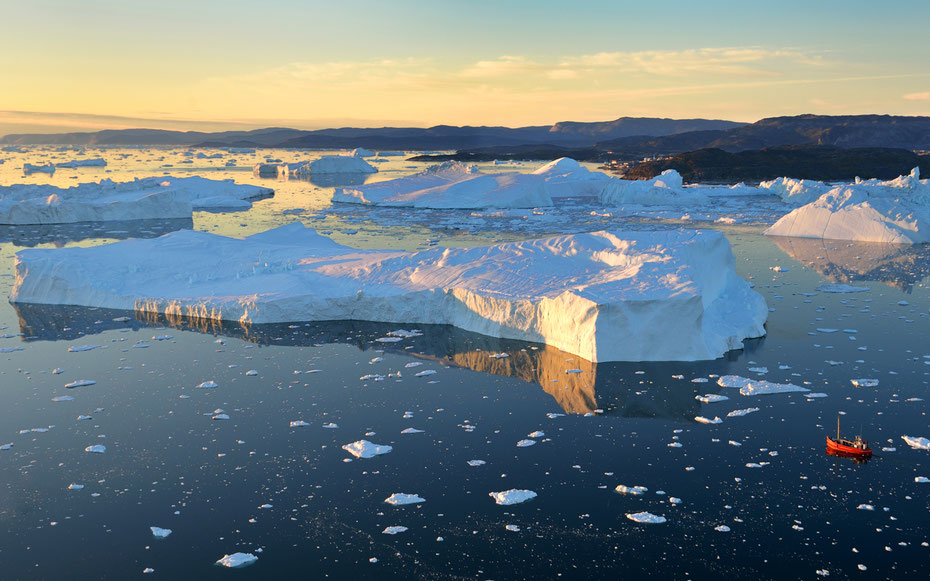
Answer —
900 266
31 235
578 386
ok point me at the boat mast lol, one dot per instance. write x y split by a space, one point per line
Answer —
837 428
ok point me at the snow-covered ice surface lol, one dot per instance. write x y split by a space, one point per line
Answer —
254 484
670 295
889 212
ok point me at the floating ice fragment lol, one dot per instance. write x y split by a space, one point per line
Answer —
96 449
722 528
512 496
401 498
711 398
513 528
646 518
80 383
58 371
525 443
865 507
815 395
160 533
331 426
742 412
499 355
921 479
864 382
10 349
393 530
634 490
411 431
825 330
208 384
237 560
426 372
841 288
916 442
365 449
476 462
80 348
757 387
299 424
73 486
6 446
251 372
536 434
63 398
704 420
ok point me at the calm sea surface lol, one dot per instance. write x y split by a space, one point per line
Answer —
757 496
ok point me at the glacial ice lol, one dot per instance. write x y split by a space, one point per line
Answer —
757 386
401 498
237 560
917 443
141 199
333 164
160 533
636 296
664 189
890 212
452 185
365 449
566 178
646 518
512 496
95 162
796 192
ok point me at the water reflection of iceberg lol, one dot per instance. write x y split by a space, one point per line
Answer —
577 385
327 180
898 266
30 235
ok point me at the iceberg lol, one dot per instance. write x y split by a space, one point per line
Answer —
890 212
512 496
635 296
365 449
662 190
237 560
401 498
452 185
141 199
566 178
95 162
796 192
361 152
29 168
646 518
758 386
333 164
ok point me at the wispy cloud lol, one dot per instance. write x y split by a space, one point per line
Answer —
918 96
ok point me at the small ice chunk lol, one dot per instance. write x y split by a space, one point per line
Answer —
425 372
252 372
841 288
160 533
80 348
704 420
513 528
80 383
757 387
365 449
536 434
921 479
742 412
865 507
411 431
299 424
711 398
394 530
476 462
63 398
722 528
73 486
96 449
209 384
512 496
331 426
634 490
916 442
864 382
646 518
525 443
237 560
401 498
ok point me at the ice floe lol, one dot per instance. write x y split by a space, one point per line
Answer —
145 198
96 449
394 530
757 387
711 398
634 490
917 443
160 533
636 296
401 498
891 212
646 518
512 496
80 383
452 185
704 420
864 382
365 449
237 560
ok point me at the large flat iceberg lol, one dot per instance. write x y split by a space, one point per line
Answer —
147 198
635 296
891 212
452 185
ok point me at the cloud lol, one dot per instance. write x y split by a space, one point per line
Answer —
700 61
918 96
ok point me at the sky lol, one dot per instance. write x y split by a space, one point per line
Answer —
85 65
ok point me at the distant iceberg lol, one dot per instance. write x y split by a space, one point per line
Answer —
890 212
635 296
795 192
333 164
147 198
664 189
361 152
29 168
566 178
96 162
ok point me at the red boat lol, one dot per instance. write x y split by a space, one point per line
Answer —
857 448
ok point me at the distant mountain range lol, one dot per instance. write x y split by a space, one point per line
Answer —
623 138
563 134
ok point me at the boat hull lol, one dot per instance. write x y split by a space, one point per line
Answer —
848 450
